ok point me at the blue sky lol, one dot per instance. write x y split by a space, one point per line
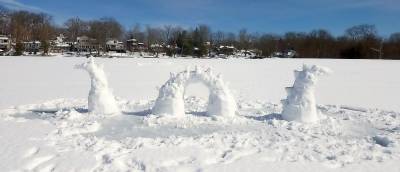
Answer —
261 16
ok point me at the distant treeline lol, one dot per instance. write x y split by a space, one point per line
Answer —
361 41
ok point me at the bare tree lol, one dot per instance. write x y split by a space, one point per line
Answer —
392 46
394 37
230 39
103 29
114 29
137 33
45 31
76 27
244 39
175 32
166 32
360 32
218 38
154 37
319 43
362 42
20 24
205 32
4 21
267 44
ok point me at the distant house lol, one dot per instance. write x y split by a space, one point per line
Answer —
226 50
172 50
5 44
32 46
115 45
86 44
134 45
131 44
157 47
285 54
141 47
59 44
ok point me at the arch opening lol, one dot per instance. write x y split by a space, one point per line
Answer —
196 97
170 100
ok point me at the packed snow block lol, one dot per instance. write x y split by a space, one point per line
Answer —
300 104
221 101
100 99
170 100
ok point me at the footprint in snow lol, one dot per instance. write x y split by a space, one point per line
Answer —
37 162
48 168
230 156
32 151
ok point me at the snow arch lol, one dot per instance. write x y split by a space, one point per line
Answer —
100 99
300 104
170 99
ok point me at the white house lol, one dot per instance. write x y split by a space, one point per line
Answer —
5 43
115 45
59 44
32 46
86 44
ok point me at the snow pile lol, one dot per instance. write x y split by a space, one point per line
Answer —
300 104
100 100
171 101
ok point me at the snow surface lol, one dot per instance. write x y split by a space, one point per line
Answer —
45 124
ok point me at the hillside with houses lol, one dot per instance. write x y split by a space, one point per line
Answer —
132 47
30 33
113 47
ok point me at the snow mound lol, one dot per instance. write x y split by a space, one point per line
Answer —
100 100
300 104
171 101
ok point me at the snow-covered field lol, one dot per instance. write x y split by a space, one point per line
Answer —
45 124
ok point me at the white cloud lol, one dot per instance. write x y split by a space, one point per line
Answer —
14 4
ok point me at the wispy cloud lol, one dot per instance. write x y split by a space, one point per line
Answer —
16 5
381 4
360 4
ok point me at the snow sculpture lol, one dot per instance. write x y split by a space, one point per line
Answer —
300 103
170 99
100 99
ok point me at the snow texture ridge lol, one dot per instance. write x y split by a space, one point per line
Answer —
101 99
171 101
300 104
